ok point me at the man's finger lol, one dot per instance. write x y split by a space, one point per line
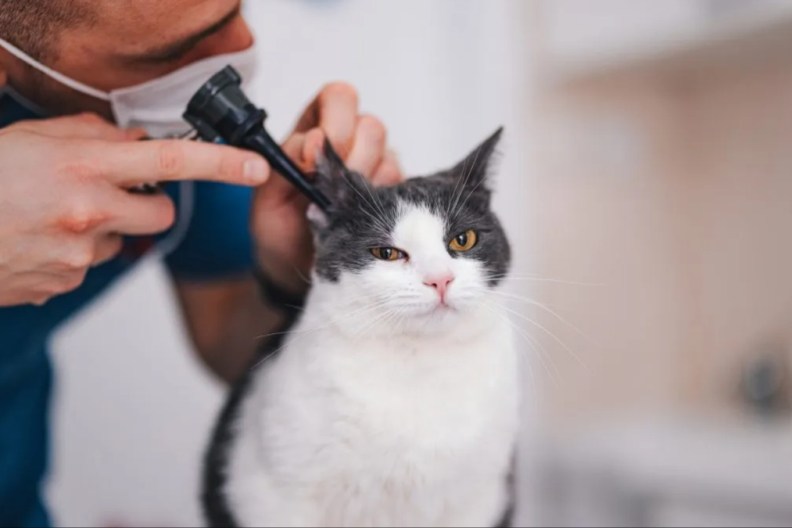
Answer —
312 148
135 162
389 171
369 146
335 111
293 146
107 247
338 110
138 214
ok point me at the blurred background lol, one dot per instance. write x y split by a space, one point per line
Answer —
645 185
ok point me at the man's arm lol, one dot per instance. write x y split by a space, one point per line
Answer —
227 321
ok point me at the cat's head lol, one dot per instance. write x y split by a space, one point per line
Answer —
420 255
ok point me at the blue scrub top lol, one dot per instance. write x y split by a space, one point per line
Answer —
209 240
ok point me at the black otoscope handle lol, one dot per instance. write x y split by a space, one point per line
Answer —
263 143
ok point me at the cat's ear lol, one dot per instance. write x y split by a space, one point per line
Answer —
340 185
472 172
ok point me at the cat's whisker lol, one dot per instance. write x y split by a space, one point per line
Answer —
536 345
269 356
540 352
273 334
381 318
360 311
301 275
508 277
464 181
376 200
459 186
454 191
549 333
467 198
377 304
349 301
543 306
394 319
344 315
292 332
372 212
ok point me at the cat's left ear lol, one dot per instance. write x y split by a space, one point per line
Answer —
340 185
473 171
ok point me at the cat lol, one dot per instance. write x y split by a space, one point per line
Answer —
393 400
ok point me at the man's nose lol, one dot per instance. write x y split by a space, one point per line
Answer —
441 283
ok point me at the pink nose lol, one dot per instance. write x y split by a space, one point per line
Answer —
441 284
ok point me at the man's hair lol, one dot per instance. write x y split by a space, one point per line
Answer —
34 25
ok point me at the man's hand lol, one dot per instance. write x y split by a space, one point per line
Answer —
64 200
279 223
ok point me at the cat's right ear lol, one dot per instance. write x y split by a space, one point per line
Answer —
473 171
340 185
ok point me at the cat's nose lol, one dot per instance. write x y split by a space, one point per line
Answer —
441 284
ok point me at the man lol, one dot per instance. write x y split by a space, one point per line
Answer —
81 78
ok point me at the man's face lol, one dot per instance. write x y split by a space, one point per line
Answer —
129 42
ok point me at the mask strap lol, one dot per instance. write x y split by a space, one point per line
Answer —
66 81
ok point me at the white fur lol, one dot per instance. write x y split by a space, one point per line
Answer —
384 408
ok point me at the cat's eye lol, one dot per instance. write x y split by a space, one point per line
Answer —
388 253
463 241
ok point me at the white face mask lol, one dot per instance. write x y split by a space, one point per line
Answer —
155 105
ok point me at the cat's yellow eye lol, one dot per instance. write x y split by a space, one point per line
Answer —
388 253
463 241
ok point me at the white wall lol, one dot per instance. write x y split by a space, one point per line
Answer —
133 408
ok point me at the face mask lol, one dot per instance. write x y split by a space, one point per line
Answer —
155 105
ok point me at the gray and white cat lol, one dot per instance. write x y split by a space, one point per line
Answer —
393 399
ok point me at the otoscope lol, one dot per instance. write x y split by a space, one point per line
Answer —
220 112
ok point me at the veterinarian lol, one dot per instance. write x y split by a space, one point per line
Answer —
83 81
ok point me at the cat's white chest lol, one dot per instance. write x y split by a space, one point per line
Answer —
384 433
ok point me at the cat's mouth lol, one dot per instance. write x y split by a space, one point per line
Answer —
441 307
429 310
